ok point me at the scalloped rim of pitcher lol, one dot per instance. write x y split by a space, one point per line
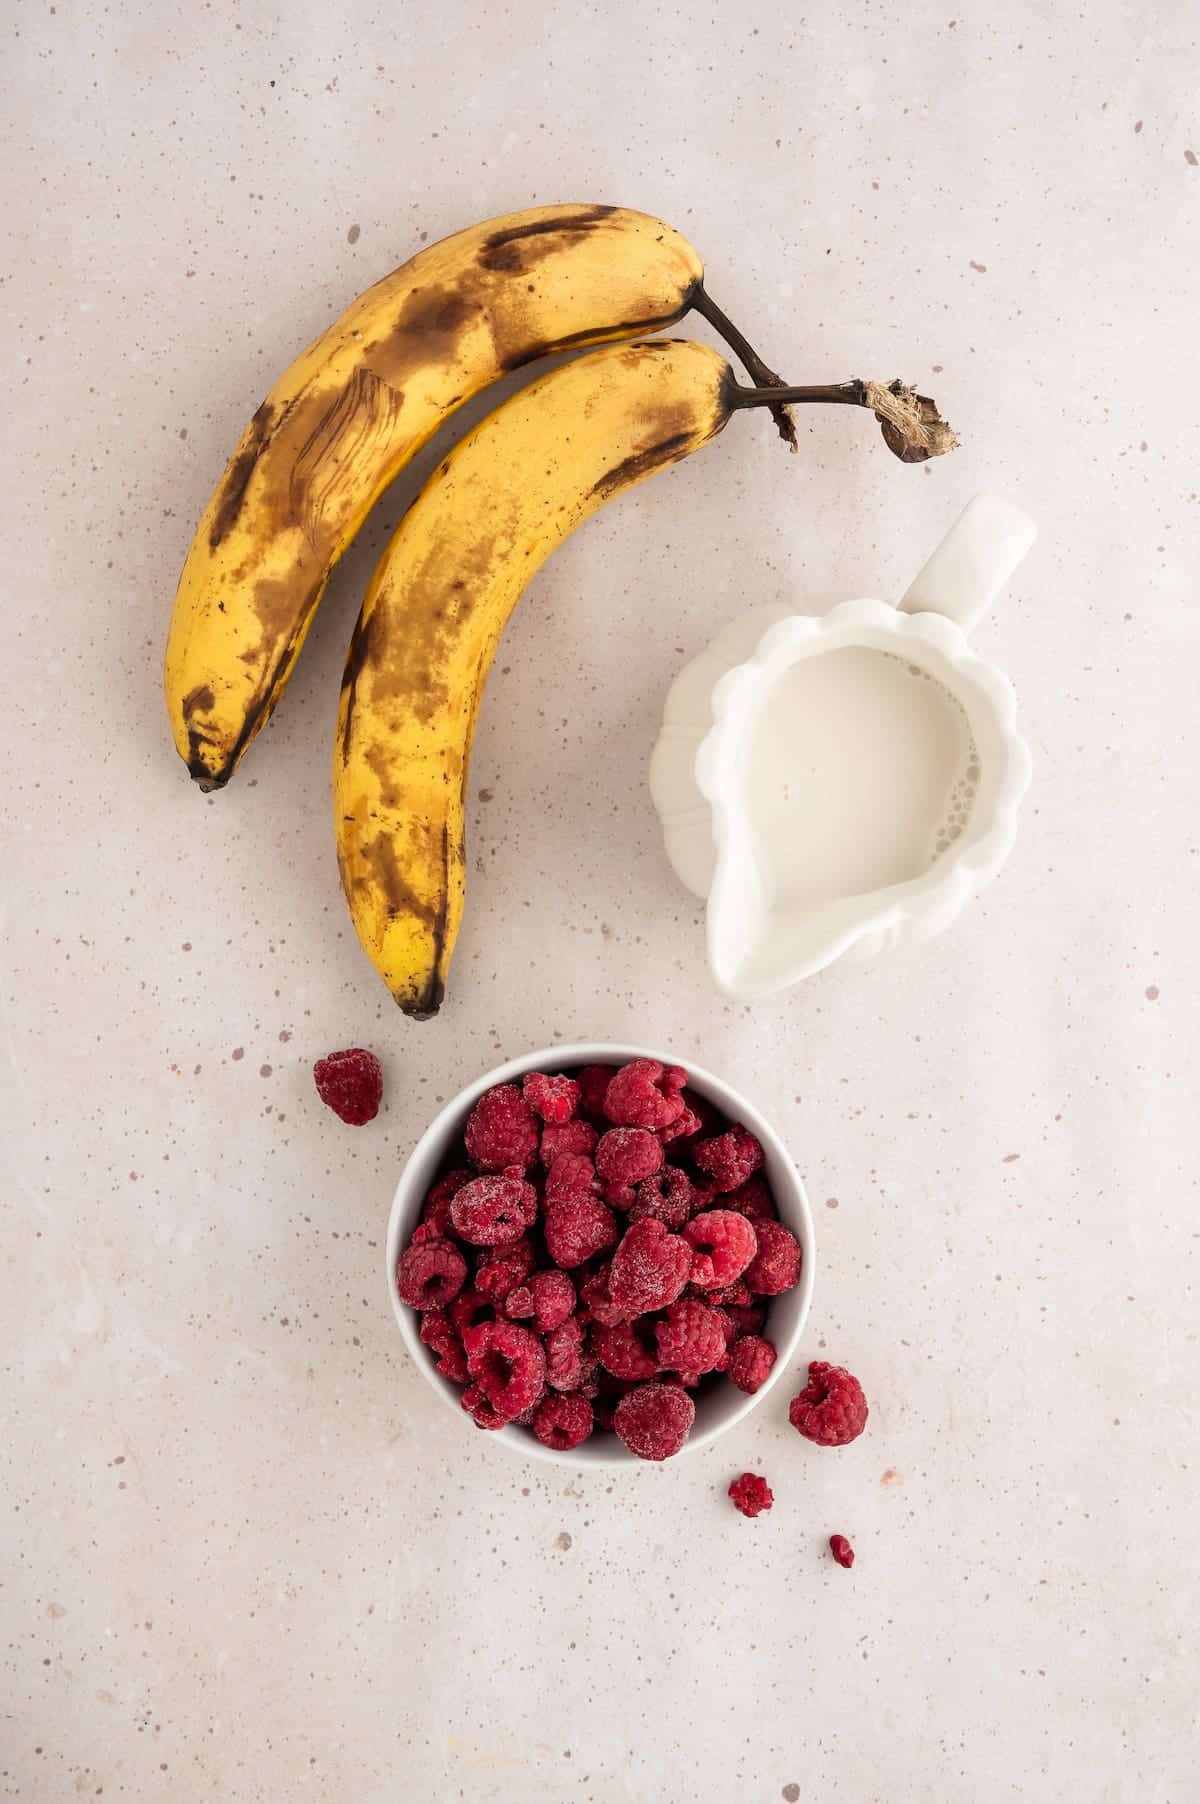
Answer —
929 901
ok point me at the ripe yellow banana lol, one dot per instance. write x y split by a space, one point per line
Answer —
488 517
360 402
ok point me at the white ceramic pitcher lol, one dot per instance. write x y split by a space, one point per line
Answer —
832 805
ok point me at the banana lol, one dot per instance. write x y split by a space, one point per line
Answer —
357 405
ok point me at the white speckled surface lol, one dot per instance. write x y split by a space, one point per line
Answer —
247 1555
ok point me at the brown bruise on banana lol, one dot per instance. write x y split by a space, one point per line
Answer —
311 464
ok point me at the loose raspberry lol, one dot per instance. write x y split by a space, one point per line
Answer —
649 1268
626 1350
493 1210
549 1297
431 1275
571 1175
444 1344
729 1159
509 1365
567 1137
776 1265
751 1199
690 1337
750 1362
502 1130
682 1128
480 1409
351 1084
667 1197
751 1494
841 1550
597 1299
553 1098
745 1319
831 1409
627 1155
564 1356
578 1226
437 1203
737 1294
503 1267
655 1420
644 1094
563 1421
723 1244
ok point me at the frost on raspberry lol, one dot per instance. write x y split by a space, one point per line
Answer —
502 1130
430 1275
625 1156
691 1337
649 1268
751 1494
667 1197
577 1227
775 1267
555 1099
626 1350
437 1203
750 1361
578 1137
503 1267
729 1159
654 1420
723 1243
831 1409
351 1084
492 1210
645 1094
563 1421
508 1364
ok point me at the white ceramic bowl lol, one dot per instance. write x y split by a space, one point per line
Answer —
717 1410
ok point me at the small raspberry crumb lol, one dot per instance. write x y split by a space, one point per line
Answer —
649 1268
841 1550
351 1084
501 1130
593 1083
578 1226
750 1363
667 1197
690 1337
508 1364
437 1203
654 1420
502 1268
729 1159
644 1094
491 1210
723 1244
751 1494
563 1421
567 1137
776 1265
430 1275
553 1098
564 1356
626 1350
627 1155
831 1409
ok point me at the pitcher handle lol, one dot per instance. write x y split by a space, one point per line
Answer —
973 562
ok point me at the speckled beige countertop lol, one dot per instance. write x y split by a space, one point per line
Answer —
247 1555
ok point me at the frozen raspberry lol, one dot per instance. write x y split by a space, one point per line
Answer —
745 1319
571 1175
567 1137
776 1265
626 1350
492 1210
553 1098
437 1203
444 1344
431 1275
627 1155
502 1268
729 1159
654 1420
468 1310
501 1130
682 1128
841 1550
737 1294
649 1268
549 1297
351 1083
597 1299
563 1421
593 1083
831 1409
480 1409
751 1494
751 1199
644 1094
578 1226
666 1197
425 1231
723 1244
564 1355
690 1337
509 1365
750 1362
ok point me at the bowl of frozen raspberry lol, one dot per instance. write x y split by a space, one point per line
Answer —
599 1255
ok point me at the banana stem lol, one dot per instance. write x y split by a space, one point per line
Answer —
912 426
720 321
